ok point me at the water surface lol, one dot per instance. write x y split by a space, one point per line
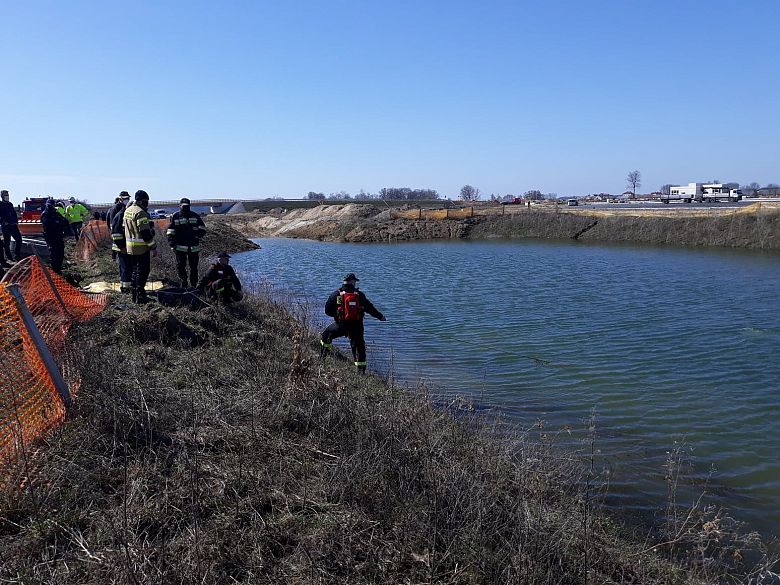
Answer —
668 347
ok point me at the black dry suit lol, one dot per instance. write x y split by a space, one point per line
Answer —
347 306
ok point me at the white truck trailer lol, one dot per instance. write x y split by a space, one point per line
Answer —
710 192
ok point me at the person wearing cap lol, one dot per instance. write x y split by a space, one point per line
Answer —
60 207
184 234
116 225
55 228
75 212
220 282
347 305
120 204
139 243
10 228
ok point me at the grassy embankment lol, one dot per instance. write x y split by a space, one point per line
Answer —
756 230
216 447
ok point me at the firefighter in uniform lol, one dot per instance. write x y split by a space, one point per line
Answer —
184 234
139 239
347 306
119 243
220 282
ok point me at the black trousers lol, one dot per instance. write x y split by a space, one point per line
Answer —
12 231
183 259
75 229
354 331
138 268
56 253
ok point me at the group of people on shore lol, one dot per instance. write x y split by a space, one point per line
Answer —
134 245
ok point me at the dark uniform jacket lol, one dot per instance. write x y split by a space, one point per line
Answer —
7 213
217 272
55 227
118 208
331 306
185 231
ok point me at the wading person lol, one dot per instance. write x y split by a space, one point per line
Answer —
347 306
55 228
10 227
76 213
220 283
184 234
139 240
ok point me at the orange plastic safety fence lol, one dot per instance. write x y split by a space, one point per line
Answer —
94 235
29 402
54 303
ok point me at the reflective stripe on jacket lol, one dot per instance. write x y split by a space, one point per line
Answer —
185 231
139 231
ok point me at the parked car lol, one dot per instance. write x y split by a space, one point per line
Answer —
158 214
572 203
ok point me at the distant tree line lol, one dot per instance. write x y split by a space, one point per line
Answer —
386 193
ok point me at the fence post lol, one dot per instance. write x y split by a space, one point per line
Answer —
53 287
40 345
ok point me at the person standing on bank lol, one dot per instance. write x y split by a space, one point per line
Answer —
10 227
76 213
139 240
347 306
184 234
55 228
119 245
120 204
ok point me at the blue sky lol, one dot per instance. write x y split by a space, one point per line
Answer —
257 99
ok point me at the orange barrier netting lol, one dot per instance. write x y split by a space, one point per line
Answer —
30 404
94 235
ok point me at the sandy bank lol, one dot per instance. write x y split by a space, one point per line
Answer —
756 226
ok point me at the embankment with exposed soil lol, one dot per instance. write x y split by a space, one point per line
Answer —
753 227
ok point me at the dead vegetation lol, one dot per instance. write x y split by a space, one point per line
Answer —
247 459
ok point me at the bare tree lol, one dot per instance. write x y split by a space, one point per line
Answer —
633 182
469 193
666 189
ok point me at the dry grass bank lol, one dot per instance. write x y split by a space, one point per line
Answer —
217 447
734 230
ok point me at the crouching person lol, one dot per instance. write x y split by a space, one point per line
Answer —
220 283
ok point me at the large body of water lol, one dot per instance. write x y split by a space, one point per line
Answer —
668 347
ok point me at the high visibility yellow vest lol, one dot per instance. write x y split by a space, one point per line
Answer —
76 212
136 220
